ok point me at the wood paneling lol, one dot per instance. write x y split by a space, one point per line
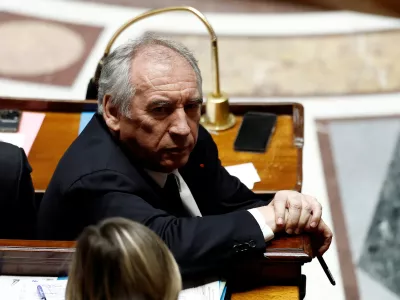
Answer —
56 134
280 167
276 167
281 265
270 293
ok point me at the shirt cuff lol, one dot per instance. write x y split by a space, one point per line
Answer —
266 230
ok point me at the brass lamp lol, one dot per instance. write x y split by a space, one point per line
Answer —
217 116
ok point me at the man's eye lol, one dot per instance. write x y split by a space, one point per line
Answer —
192 106
160 109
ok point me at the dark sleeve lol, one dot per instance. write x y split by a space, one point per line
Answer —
198 243
230 193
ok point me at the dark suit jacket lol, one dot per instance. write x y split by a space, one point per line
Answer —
17 206
95 180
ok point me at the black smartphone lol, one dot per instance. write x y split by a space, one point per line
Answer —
255 132
9 120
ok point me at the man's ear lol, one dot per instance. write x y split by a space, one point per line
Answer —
111 114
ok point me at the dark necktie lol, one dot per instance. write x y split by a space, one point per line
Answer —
173 198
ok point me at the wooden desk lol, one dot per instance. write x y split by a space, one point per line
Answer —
281 266
278 275
279 168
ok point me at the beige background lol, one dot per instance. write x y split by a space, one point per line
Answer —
302 66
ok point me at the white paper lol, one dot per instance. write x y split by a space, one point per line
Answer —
25 288
209 291
15 287
16 139
246 173
53 290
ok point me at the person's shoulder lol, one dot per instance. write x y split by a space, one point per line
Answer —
87 149
93 151
104 181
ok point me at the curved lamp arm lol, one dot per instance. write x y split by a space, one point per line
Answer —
217 116
199 15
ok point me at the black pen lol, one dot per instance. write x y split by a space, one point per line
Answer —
326 269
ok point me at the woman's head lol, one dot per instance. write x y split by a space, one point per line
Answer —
120 260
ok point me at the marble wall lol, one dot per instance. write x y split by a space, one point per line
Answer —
381 255
44 51
302 65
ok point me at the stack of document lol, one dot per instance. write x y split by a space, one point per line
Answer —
25 288
211 291
246 173
28 130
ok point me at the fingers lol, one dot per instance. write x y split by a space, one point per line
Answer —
295 203
305 218
280 201
296 212
310 214
325 235
316 209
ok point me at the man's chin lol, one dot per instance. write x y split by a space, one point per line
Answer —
172 164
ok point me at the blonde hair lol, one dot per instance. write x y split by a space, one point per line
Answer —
122 260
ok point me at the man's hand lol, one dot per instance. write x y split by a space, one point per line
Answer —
295 213
321 238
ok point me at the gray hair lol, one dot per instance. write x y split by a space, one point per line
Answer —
115 77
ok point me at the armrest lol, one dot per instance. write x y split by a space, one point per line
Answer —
52 258
280 264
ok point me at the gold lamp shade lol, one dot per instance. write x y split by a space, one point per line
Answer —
217 116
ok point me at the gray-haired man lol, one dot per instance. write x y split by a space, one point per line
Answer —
145 157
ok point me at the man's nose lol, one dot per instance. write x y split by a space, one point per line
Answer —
180 125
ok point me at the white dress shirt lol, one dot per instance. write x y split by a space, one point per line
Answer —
190 204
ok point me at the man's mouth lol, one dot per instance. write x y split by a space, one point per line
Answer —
177 150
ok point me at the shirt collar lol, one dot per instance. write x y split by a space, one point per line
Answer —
159 177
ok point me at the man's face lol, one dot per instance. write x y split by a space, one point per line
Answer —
163 126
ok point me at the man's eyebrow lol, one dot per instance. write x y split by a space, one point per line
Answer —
196 100
159 102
